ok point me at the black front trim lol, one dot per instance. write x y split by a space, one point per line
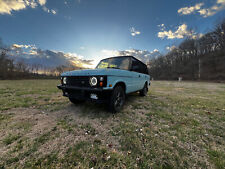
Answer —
63 87
83 81
79 81
83 93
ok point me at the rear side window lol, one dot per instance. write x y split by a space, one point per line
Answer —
135 65
145 70
142 68
139 67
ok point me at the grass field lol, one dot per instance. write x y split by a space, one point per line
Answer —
178 125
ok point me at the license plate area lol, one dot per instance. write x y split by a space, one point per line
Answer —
94 96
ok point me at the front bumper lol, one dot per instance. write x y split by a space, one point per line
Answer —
86 93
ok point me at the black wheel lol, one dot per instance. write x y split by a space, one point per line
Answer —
75 101
144 91
117 99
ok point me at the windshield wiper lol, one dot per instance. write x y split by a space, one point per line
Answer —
112 67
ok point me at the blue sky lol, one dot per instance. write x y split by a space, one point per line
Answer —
91 28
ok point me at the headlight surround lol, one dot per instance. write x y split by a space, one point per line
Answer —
64 81
93 81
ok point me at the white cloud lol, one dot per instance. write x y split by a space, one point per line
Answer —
143 55
180 33
162 27
22 46
134 32
205 12
7 6
49 10
170 48
33 52
197 36
53 11
42 2
191 9
155 50
31 3
110 53
46 9
47 58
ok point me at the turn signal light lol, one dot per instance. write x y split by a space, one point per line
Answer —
101 84
110 85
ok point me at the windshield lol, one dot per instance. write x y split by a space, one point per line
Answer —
116 63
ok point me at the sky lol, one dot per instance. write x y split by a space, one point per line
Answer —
84 30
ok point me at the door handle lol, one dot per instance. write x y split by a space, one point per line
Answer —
139 75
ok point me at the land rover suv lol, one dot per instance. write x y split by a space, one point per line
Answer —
109 82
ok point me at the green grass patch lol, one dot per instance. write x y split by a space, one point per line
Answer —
10 139
67 125
27 93
218 158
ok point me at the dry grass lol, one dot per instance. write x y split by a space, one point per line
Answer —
178 125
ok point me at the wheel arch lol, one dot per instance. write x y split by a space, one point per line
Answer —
146 83
121 83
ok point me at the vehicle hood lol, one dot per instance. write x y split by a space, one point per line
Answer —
94 72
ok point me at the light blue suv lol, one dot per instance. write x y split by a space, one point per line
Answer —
109 82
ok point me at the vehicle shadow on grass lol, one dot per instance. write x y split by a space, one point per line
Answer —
96 110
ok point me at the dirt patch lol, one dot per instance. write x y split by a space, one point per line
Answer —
25 123
76 129
101 125
40 121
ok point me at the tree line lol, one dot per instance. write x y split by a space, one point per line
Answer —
194 59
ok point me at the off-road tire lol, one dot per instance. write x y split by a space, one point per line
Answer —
117 99
144 91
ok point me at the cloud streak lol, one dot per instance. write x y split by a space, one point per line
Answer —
134 32
7 6
46 58
143 55
190 10
180 33
205 12
49 10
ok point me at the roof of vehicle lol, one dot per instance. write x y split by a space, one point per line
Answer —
126 56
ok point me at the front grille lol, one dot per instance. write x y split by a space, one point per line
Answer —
79 81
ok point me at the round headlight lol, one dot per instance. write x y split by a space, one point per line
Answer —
64 80
93 81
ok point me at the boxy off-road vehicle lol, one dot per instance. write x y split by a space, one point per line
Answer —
109 82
